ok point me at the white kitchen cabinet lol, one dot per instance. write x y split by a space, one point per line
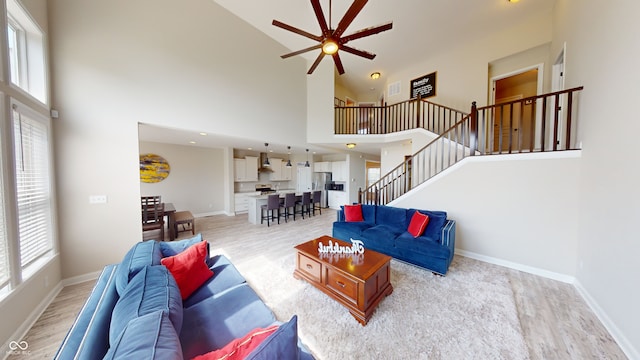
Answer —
276 169
339 171
322 166
245 169
241 201
337 199
287 173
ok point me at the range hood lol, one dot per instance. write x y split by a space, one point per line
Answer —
262 168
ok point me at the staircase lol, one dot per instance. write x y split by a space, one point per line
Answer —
539 123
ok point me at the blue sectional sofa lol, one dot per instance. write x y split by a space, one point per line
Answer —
384 229
136 311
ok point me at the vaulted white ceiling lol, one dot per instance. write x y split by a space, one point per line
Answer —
421 28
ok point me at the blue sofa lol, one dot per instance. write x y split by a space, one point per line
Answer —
384 230
135 311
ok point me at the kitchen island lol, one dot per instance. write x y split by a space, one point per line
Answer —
256 201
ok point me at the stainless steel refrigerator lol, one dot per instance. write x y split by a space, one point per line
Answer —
319 182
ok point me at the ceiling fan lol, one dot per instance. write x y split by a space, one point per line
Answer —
331 40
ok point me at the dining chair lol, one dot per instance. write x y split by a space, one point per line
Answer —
289 203
273 204
305 204
152 214
315 202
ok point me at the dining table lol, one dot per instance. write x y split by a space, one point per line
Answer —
169 211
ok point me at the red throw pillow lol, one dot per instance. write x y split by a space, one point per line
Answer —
419 222
353 213
239 348
189 268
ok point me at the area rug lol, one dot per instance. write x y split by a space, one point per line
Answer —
469 314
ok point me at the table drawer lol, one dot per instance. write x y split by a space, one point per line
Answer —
342 285
310 267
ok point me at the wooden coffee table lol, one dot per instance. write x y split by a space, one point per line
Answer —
357 281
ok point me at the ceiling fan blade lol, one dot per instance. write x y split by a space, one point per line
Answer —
364 54
314 47
320 16
316 63
296 30
336 59
348 17
366 32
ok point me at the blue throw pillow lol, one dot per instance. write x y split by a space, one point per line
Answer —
140 255
149 337
153 288
173 248
281 345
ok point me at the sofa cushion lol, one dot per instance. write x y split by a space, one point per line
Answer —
140 255
421 245
238 349
214 322
369 214
281 345
418 223
172 248
189 268
152 289
225 276
149 337
437 219
393 217
353 213
349 229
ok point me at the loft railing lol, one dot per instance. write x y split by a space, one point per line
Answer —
534 124
407 115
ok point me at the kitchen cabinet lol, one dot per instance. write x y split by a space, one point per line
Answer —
276 167
322 166
241 201
339 171
245 169
287 173
337 199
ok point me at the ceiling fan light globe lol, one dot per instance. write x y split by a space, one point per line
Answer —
329 47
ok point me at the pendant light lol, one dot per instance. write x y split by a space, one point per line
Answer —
266 162
307 163
288 164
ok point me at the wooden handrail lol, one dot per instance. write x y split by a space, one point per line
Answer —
484 131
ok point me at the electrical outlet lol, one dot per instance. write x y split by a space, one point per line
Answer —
98 199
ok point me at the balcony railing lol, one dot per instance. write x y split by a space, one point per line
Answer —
407 115
534 124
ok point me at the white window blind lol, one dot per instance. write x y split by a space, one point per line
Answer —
4 251
33 189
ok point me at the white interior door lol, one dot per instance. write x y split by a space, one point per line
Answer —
304 179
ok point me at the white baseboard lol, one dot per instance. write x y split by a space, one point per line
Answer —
81 278
624 343
199 215
21 332
512 265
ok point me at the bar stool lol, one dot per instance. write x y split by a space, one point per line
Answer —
273 204
317 196
305 204
289 203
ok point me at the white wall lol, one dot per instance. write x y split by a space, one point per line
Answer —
196 180
519 209
189 65
603 54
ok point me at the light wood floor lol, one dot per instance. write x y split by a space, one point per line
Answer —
555 321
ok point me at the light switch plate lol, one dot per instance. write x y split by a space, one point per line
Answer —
98 199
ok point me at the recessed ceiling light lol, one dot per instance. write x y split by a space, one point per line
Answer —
249 148
203 133
192 142
375 75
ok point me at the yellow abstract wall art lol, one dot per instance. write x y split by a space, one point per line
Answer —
153 168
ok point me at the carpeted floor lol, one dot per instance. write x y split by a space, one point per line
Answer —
469 314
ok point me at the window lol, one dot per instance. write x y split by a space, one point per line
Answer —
4 250
33 186
25 42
